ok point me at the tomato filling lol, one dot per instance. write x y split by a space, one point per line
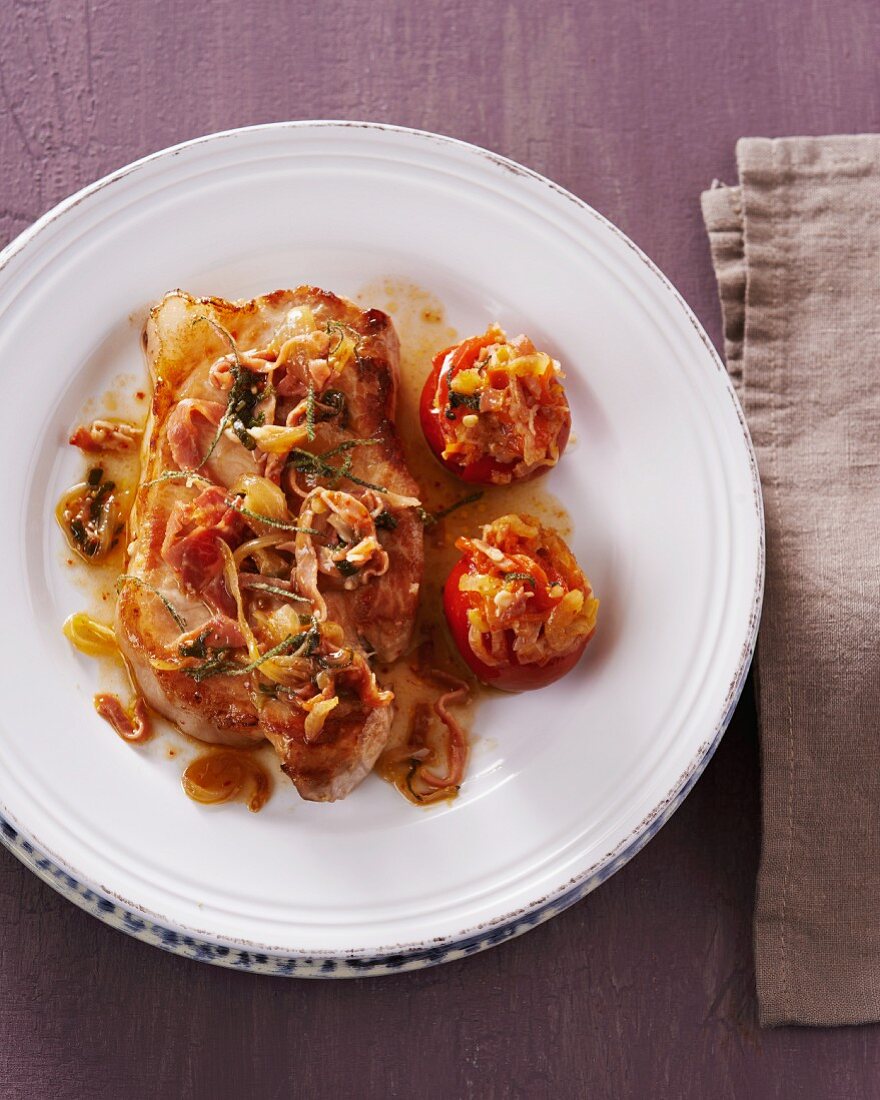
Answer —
527 601
498 408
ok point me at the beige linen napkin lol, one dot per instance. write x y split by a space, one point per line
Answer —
796 249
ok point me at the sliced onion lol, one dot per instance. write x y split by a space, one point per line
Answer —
262 496
89 636
277 439
230 574
253 546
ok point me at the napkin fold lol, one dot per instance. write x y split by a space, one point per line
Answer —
796 250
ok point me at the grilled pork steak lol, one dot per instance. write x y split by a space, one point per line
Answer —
275 542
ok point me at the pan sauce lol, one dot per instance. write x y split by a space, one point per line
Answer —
420 320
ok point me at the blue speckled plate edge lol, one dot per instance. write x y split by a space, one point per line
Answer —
259 959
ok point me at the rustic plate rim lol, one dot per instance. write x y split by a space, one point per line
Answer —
152 928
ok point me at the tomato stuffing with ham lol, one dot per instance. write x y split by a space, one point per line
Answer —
519 608
494 410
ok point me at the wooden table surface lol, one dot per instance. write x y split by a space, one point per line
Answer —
645 988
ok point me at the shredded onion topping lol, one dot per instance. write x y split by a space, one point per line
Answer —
525 592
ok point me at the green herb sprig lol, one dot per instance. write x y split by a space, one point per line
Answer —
178 475
280 524
166 603
342 329
274 590
198 647
468 400
310 411
386 521
217 665
248 389
429 519
317 465
527 577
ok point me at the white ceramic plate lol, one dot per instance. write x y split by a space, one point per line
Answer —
567 783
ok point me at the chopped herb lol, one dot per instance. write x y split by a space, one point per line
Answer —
310 411
248 390
215 665
520 577
197 647
317 466
304 462
334 400
342 329
99 500
79 532
469 400
168 605
274 590
346 568
310 637
386 521
429 520
178 475
89 515
218 666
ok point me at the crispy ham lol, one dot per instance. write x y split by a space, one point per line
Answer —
102 436
264 574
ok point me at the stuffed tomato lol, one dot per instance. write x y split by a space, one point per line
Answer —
494 410
519 608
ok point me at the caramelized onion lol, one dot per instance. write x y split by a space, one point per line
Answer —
227 775
89 516
261 496
410 765
255 546
89 636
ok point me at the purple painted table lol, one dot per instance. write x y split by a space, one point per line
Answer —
646 987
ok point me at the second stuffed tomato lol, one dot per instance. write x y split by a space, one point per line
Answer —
519 608
494 410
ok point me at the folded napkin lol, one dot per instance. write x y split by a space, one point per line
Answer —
796 249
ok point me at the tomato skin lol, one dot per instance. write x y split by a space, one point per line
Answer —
475 473
429 415
512 677
481 471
